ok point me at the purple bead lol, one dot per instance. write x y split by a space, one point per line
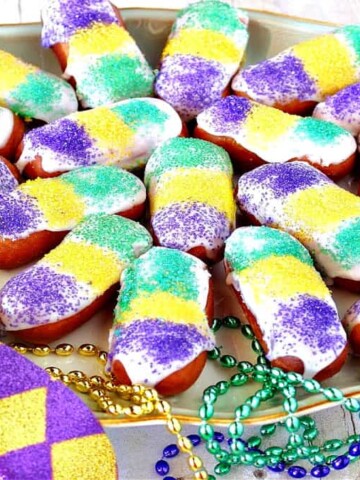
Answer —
280 467
354 450
170 451
194 439
297 472
340 462
219 437
169 478
162 467
320 471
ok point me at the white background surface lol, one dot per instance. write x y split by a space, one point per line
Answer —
139 447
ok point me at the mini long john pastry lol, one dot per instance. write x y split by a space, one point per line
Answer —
285 301
73 281
11 133
9 176
32 93
302 201
161 329
255 134
124 134
342 108
204 51
190 190
351 323
36 216
94 48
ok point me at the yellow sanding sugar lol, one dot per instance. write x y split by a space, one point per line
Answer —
266 277
99 268
328 61
99 39
211 187
321 209
13 71
204 43
109 131
264 125
61 207
165 306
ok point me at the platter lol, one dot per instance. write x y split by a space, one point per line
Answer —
269 34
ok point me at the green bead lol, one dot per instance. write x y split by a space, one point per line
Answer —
292 424
235 429
234 459
222 468
212 446
290 405
214 354
290 456
247 331
333 394
245 367
310 433
259 377
314 449
222 456
231 322
228 361
353 438
333 445
257 348
243 411
237 446
264 369
274 460
206 431
352 405
265 394
261 360
254 442
311 386
211 477
307 422
260 462
317 459
294 378
271 451
330 459
238 379
295 440
267 430
276 372
206 411
216 324
210 395
303 451
281 384
253 401
289 391
223 387
247 458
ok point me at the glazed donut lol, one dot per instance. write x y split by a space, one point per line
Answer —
302 201
343 109
96 51
73 281
204 51
161 329
46 430
124 134
33 93
37 215
305 74
255 134
11 133
286 302
9 176
190 191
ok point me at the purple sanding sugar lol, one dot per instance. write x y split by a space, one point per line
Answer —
279 78
67 139
228 113
27 463
45 296
345 103
186 225
18 213
190 84
62 403
19 374
7 180
62 18
354 310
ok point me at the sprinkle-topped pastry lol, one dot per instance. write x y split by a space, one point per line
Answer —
72 277
161 321
203 52
33 93
96 50
299 199
46 430
297 78
191 196
343 109
9 177
351 323
59 204
124 134
254 134
287 302
11 133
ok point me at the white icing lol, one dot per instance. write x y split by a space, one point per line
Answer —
350 120
351 317
6 126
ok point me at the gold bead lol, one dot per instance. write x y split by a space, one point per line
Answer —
102 356
19 347
133 411
54 372
150 394
64 349
136 399
87 350
41 350
148 407
185 444
138 389
82 386
104 403
201 475
96 381
110 386
76 375
163 407
115 409
96 393
65 379
123 390
173 425
195 462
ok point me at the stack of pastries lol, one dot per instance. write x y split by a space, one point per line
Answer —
103 155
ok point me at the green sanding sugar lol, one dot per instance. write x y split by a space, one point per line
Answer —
115 77
126 238
345 247
248 245
187 152
139 113
318 131
352 35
